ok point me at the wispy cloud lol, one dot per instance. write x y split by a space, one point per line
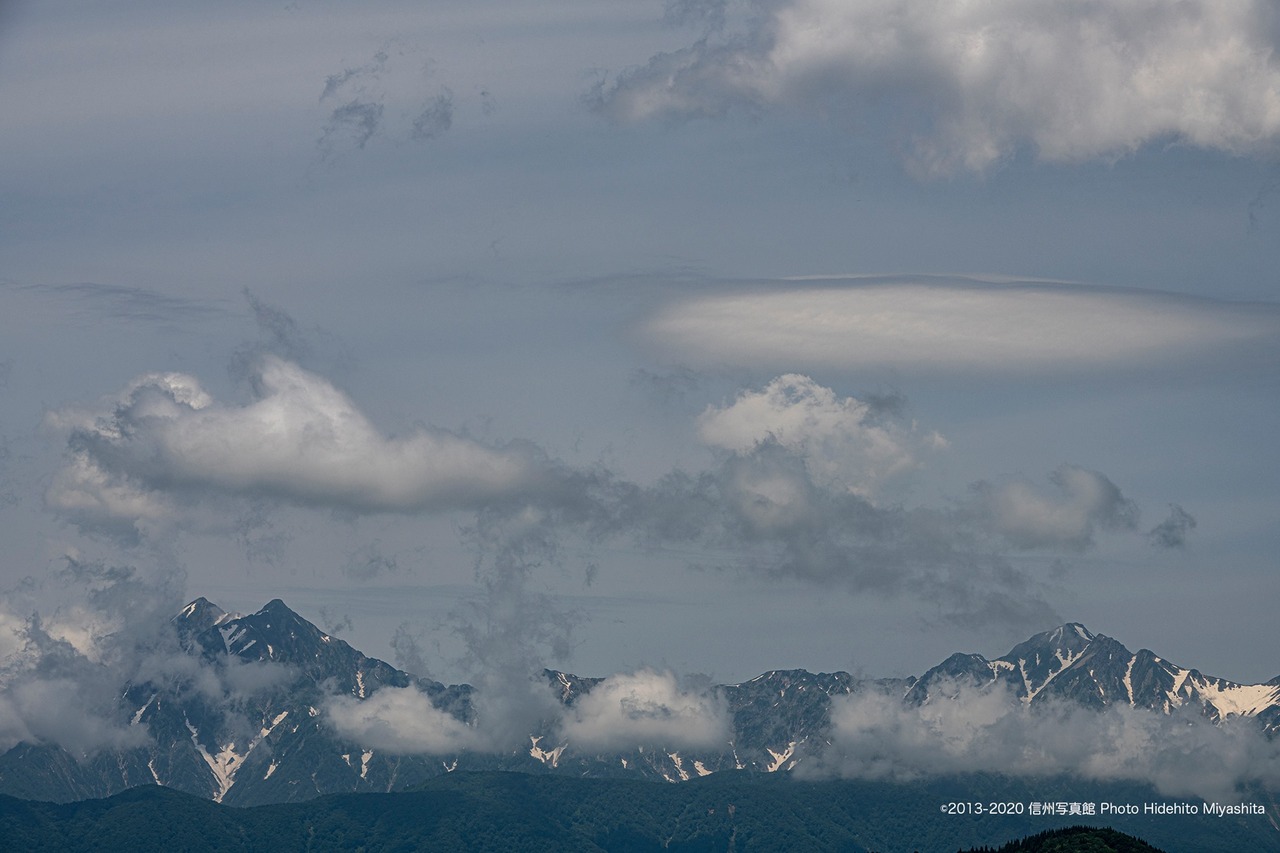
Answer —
138 304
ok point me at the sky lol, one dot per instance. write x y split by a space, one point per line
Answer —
705 336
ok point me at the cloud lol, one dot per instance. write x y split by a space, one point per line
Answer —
301 441
877 736
400 720
645 709
368 562
1027 518
355 122
49 711
762 510
134 303
961 87
61 673
394 76
954 325
1172 532
435 118
846 443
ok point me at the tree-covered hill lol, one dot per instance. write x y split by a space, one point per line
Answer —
1073 839
523 812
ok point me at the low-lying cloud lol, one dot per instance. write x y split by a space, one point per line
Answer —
401 720
61 673
645 709
962 87
975 730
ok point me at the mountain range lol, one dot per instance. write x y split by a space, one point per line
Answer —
240 709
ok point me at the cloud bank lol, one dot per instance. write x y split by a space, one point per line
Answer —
877 736
961 87
794 489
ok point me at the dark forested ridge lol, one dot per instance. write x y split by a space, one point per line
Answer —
1073 839
494 811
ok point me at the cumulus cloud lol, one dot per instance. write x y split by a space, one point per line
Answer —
964 86
846 443
1028 518
645 709
953 325
877 736
400 720
300 441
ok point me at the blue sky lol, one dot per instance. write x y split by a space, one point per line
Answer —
733 337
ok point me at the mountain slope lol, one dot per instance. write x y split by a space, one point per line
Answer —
511 811
239 709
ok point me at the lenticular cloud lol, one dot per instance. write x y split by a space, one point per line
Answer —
301 441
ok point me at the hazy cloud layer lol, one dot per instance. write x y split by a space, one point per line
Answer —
645 709
963 86
877 736
954 325
300 441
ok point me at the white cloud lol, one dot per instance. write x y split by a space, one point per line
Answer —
301 441
846 445
954 325
645 708
967 84
400 720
